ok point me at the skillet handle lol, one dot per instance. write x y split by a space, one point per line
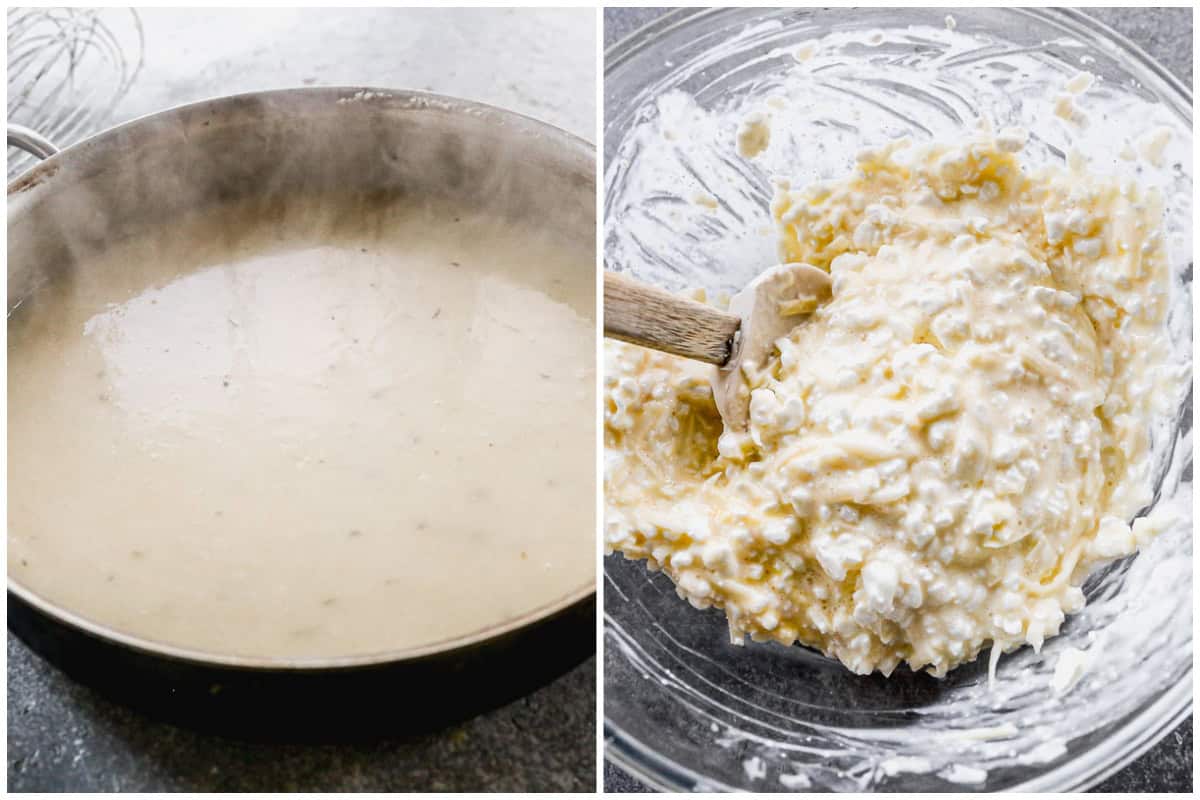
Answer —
30 141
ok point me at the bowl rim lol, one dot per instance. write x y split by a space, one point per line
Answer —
1168 711
623 48
1174 704
399 100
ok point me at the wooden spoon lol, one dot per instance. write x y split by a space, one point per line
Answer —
768 308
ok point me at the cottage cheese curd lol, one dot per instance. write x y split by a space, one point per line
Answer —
938 456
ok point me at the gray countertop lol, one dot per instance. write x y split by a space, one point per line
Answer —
1166 34
540 62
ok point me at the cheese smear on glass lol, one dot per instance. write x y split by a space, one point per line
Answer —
938 456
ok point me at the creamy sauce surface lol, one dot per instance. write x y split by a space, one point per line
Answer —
309 438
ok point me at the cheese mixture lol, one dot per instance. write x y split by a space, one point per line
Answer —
938 456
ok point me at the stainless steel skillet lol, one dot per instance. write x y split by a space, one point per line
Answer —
355 148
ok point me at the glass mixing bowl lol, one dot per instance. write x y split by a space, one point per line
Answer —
684 709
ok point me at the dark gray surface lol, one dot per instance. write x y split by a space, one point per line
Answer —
65 737
1166 34
539 62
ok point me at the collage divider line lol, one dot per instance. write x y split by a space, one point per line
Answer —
598 399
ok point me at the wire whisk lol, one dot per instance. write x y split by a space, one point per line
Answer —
68 68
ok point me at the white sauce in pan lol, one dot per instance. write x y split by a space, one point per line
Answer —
309 442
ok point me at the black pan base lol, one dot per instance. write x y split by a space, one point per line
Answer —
316 705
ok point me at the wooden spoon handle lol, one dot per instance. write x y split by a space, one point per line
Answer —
651 317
